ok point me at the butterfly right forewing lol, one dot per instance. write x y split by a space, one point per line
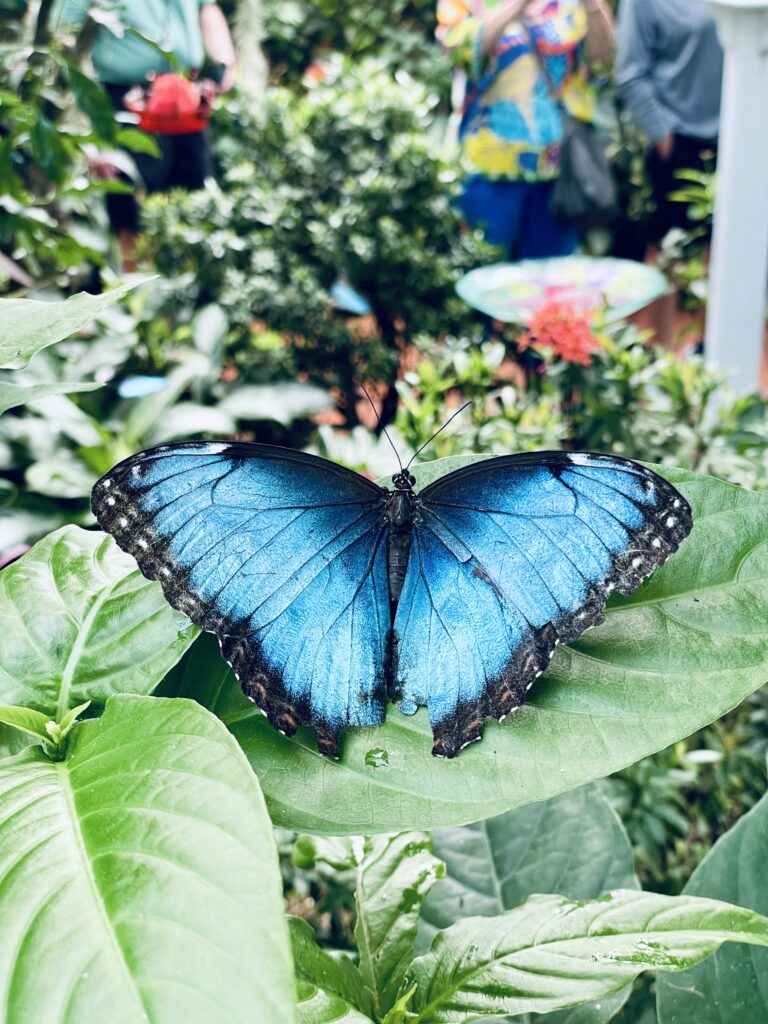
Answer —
511 557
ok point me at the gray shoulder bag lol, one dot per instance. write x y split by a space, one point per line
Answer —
585 192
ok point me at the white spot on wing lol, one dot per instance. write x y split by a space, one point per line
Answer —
110 500
106 483
123 521
671 521
214 448
580 459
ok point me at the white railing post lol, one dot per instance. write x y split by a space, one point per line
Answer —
739 270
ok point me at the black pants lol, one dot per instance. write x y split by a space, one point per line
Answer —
185 161
687 154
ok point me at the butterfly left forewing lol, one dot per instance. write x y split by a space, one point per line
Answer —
282 555
511 557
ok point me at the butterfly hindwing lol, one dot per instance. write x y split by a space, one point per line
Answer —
511 557
282 555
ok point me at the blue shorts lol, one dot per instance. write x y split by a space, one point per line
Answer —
515 215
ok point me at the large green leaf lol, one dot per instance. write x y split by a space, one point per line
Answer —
79 622
139 877
732 987
550 952
688 646
27 326
393 878
572 844
12 395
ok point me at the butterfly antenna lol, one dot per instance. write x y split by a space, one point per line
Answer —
431 439
378 417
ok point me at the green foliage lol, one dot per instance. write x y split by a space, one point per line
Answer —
13 395
71 610
342 183
550 952
144 854
137 859
684 255
502 417
52 451
546 954
52 735
393 878
634 399
572 843
29 326
48 200
732 986
676 804
487 965
401 32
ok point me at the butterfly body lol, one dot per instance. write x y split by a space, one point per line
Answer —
402 509
331 594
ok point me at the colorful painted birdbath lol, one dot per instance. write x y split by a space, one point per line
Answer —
512 292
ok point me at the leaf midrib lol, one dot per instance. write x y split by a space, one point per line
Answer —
365 935
89 878
83 632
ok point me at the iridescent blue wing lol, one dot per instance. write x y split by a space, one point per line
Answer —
509 558
282 555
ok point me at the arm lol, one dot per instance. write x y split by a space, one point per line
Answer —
634 79
218 42
470 38
599 42
494 23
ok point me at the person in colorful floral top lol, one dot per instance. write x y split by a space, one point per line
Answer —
511 127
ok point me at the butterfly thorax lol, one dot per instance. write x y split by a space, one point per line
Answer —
401 509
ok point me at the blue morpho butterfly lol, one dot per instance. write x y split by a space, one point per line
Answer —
329 593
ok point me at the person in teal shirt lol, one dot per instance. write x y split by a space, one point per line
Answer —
190 30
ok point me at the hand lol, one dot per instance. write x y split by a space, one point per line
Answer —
665 146
102 169
227 78
208 91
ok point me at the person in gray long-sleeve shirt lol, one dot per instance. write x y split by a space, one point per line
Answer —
669 72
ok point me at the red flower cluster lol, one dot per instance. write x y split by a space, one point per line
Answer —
567 334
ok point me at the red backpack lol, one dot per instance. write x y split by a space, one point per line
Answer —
170 105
